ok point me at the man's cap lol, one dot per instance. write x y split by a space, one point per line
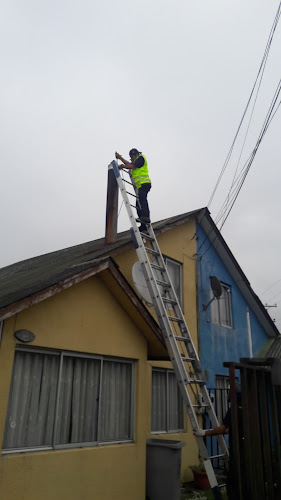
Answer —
134 151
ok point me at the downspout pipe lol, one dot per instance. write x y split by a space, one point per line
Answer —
249 333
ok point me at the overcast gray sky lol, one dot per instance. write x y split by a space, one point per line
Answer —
81 80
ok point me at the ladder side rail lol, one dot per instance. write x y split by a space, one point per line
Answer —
124 194
177 309
143 259
196 366
167 331
178 313
172 348
161 313
170 341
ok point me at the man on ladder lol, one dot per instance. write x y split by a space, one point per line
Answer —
175 332
138 165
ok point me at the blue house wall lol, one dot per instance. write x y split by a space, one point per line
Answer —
220 343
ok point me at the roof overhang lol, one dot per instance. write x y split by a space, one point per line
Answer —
121 290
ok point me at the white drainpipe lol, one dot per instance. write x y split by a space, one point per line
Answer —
249 333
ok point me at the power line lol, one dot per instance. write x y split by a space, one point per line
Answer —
249 162
271 286
237 182
260 72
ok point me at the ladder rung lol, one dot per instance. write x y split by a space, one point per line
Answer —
156 266
169 301
147 236
174 318
216 456
201 406
128 182
150 250
163 283
131 194
166 305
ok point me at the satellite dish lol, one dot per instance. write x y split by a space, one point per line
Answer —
216 287
140 283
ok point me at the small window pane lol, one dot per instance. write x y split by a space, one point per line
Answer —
175 404
225 307
215 311
159 401
115 413
167 404
78 400
175 273
221 308
221 396
31 408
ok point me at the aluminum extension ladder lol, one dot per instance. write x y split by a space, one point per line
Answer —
184 358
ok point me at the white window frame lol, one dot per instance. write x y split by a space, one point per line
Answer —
218 305
168 429
101 359
168 261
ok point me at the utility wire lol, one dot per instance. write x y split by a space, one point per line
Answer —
261 71
249 162
241 152
243 174
231 198
271 286
238 181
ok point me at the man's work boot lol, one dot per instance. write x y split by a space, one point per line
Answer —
143 220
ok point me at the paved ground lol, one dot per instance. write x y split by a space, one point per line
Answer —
189 492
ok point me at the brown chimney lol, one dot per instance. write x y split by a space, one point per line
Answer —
111 207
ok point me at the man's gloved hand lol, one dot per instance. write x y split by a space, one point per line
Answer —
118 156
199 432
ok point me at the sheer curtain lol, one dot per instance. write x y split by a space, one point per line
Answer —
31 408
115 411
61 399
159 401
78 401
175 404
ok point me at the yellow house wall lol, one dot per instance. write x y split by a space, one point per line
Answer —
84 318
177 243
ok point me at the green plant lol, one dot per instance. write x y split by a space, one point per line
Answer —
197 468
198 496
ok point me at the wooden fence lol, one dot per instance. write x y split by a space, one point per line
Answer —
256 443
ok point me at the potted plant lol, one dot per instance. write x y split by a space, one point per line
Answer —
200 477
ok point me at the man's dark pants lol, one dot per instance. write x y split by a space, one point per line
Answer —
143 211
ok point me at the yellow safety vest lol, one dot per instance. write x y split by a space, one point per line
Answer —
140 175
